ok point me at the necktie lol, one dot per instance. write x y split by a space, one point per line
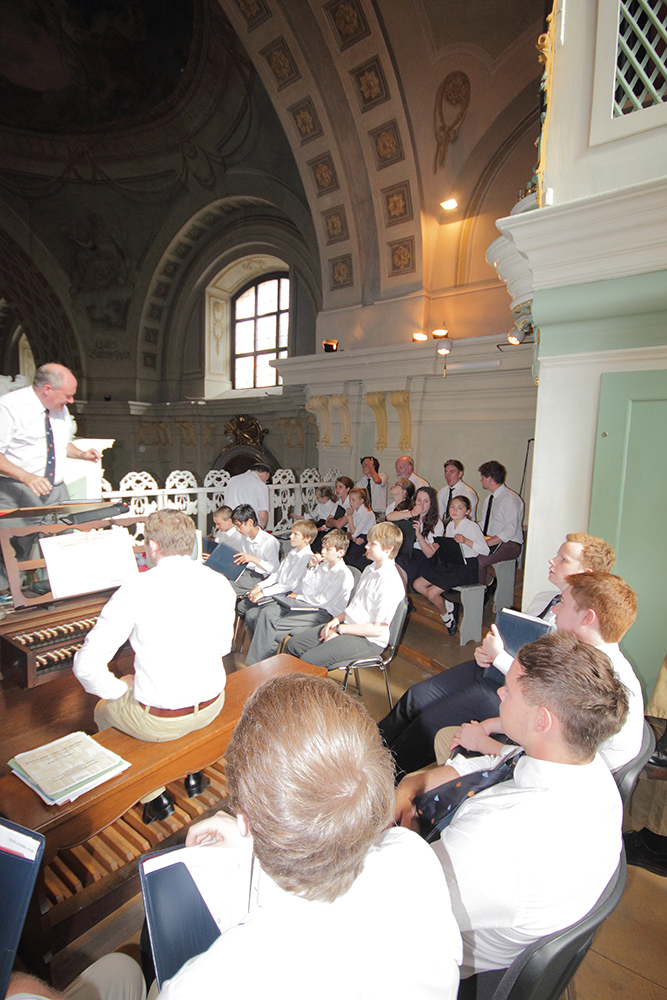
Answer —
370 495
436 808
50 472
552 603
488 516
449 500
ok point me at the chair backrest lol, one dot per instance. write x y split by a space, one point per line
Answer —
626 776
544 969
356 574
397 625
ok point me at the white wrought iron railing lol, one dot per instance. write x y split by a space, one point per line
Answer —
287 495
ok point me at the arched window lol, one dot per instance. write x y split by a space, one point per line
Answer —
260 331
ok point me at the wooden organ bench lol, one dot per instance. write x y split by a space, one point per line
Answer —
89 865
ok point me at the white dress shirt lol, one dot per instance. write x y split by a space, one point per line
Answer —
379 593
625 745
530 856
232 537
282 949
321 511
378 495
267 550
469 529
23 433
289 574
363 520
327 586
506 515
460 490
179 618
247 488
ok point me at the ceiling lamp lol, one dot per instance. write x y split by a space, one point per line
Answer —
419 336
449 205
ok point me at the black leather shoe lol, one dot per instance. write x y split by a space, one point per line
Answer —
195 783
490 590
659 758
640 854
158 808
452 628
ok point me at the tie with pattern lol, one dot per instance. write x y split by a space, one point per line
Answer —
488 516
436 808
50 473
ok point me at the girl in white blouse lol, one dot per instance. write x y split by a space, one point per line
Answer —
442 576
360 519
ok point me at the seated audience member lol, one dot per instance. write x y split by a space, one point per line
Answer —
455 488
325 505
250 488
469 690
260 553
374 482
179 619
326 587
427 528
532 855
439 575
224 527
362 629
501 519
360 520
287 577
402 496
114 977
312 785
342 487
405 469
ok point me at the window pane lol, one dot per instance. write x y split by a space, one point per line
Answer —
266 333
243 373
245 337
267 297
245 305
284 329
284 293
265 375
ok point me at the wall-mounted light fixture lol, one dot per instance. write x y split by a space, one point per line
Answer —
418 336
516 336
330 346
449 205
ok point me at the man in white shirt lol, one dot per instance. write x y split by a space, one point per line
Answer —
455 488
405 469
260 553
501 519
532 855
250 488
469 690
179 619
28 476
362 629
375 483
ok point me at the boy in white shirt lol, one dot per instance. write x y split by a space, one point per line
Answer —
261 551
326 586
362 629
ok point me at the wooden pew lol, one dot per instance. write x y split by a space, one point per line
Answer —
152 765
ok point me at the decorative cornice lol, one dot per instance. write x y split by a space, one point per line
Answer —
594 239
400 400
378 404
341 404
319 405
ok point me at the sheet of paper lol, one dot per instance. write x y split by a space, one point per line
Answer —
16 842
65 765
86 561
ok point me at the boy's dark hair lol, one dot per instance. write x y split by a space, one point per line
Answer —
493 470
244 512
371 458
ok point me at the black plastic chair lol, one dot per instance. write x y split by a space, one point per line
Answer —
384 658
544 969
626 776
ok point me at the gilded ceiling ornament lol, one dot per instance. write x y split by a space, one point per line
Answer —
323 175
369 84
386 145
334 225
304 122
243 429
280 64
455 91
396 205
401 257
340 273
346 19
249 7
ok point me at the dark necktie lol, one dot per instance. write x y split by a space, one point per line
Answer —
50 472
552 603
448 516
488 516
370 495
436 808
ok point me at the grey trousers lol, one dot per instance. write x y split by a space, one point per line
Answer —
15 494
269 624
337 652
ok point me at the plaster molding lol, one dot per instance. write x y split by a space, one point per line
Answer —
341 404
400 400
319 405
512 268
632 357
378 404
594 239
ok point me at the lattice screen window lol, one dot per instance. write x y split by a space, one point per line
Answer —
641 58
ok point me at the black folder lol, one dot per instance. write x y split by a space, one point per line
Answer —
516 629
17 881
222 561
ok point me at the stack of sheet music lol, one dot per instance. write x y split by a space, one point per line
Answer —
63 770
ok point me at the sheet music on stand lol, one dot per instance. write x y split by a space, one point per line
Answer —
87 561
